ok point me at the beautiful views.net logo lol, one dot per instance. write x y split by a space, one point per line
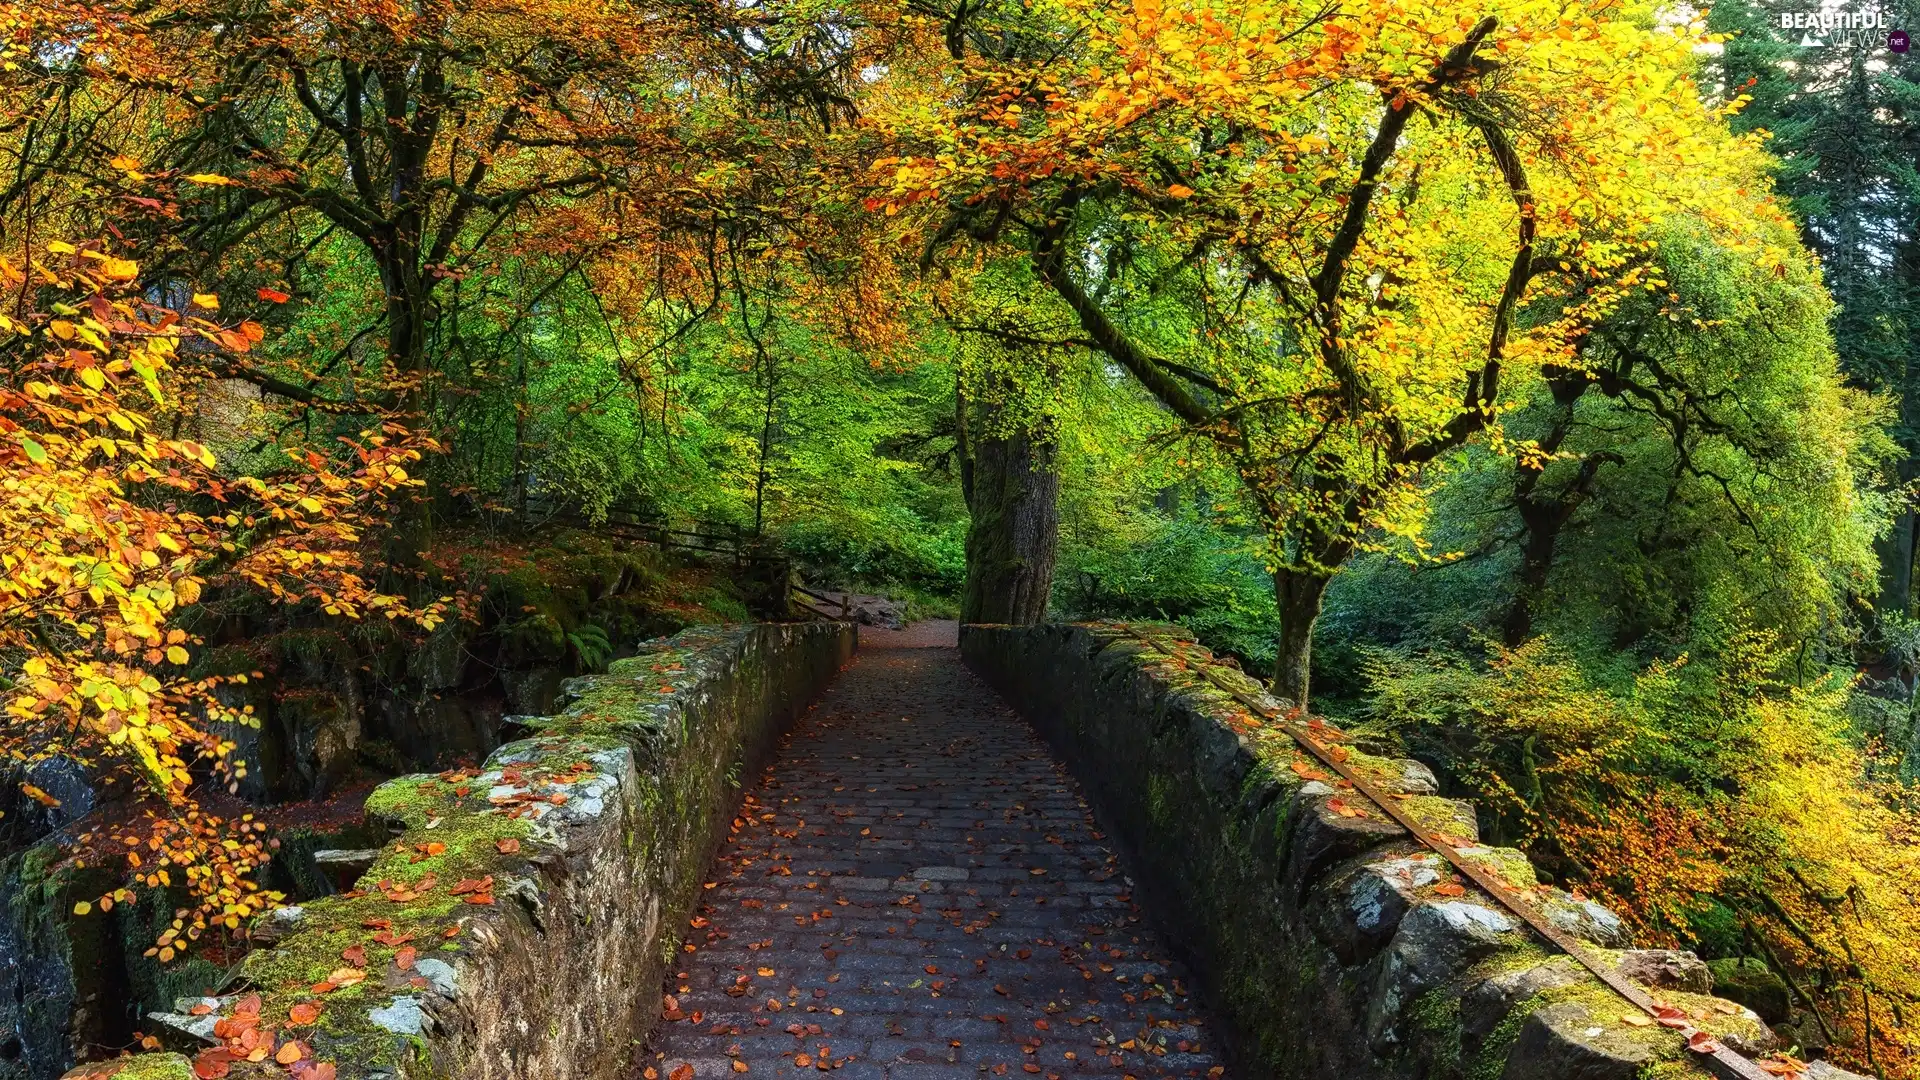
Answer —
1846 29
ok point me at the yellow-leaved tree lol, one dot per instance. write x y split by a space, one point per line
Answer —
1331 240
111 524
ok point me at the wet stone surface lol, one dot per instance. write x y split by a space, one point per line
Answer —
914 891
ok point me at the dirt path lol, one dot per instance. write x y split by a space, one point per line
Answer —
918 892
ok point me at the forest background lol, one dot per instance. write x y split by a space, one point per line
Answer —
1530 393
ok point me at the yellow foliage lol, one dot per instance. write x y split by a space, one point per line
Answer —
99 554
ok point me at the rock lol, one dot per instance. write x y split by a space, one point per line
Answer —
1485 1005
1666 969
343 868
1585 920
1436 943
1567 1042
441 661
324 732
1368 902
1754 1040
402 1016
1820 1070
1753 984
55 998
1417 779
533 692
1322 836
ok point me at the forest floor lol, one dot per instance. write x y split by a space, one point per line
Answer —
918 891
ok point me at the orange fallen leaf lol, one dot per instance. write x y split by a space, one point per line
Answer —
290 1051
1636 1019
507 846
1702 1043
1450 888
472 885
306 1012
682 1071
739 1066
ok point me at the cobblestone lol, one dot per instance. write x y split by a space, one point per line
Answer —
916 891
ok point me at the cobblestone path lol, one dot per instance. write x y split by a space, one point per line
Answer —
916 891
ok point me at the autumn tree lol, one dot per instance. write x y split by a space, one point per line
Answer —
422 181
113 525
1329 242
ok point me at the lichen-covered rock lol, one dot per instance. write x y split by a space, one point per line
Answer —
1329 942
1666 969
1753 984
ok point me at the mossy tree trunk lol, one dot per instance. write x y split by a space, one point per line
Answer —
1012 540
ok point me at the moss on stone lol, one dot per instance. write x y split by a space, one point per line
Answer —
1435 1015
147 1067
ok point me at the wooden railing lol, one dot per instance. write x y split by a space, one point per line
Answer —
706 538
816 604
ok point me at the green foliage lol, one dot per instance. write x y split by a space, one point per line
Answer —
591 647
1719 803
1175 568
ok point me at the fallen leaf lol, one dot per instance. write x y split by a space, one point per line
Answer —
1702 1043
739 1066
1450 888
355 955
507 846
404 958
306 1012
1636 1019
290 1051
682 1071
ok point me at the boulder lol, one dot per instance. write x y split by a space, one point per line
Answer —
1753 984
1666 969
1361 907
1489 1002
1436 944
1568 1042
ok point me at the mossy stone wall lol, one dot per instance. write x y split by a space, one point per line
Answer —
540 900
1325 938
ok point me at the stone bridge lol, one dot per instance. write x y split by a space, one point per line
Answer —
1009 852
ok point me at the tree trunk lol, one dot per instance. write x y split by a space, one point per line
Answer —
1536 564
1896 559
1015 529
1299 592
